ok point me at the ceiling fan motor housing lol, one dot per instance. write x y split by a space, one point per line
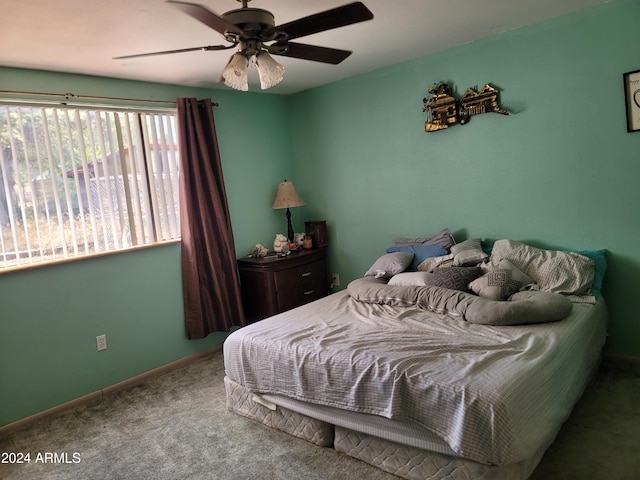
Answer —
253 21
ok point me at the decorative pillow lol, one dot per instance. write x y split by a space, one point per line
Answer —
389 265
468 252
433 262
453 278
568 273
420 252
443 238
410 279
501 282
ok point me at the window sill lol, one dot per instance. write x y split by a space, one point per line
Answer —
31 266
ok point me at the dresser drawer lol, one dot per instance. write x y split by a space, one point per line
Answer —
300 285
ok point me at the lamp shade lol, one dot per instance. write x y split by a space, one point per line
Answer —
287 196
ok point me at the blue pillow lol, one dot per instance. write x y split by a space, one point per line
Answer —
420 252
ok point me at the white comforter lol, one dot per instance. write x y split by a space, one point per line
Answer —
494 394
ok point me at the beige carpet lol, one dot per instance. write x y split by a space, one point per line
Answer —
177 427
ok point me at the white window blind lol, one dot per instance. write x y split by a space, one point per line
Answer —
77 181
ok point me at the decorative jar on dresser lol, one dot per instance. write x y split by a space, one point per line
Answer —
275 284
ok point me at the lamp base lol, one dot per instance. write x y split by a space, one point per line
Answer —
289 226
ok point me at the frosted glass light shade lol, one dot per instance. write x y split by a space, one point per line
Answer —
236 73
270 72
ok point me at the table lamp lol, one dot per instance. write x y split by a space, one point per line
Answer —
287 197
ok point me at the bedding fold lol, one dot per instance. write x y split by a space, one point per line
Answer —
522 308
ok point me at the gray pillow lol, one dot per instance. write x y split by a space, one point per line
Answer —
468 253
442 238
390 264
453 278
500 282
435 262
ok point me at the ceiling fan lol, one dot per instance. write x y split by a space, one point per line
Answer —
254 32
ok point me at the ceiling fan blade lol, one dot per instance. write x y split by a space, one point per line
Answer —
309 52
182 50
337 17
207 17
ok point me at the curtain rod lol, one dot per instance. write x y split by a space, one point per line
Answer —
73 96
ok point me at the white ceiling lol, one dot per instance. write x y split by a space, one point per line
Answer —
83 36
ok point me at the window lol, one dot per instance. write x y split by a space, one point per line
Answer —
79 181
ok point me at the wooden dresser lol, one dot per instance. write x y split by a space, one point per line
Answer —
273 284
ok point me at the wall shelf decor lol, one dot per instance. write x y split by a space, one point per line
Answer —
444 110
632 99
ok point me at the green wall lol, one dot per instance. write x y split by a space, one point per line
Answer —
50 316
561 171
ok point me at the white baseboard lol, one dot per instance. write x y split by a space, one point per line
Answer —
130 382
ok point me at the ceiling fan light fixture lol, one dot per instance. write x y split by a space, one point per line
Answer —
270 72
236 73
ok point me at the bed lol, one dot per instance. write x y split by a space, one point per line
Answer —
457 364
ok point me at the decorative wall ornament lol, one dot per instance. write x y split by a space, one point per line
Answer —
632 98
444 110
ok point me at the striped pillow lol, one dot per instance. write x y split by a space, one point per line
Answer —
554 271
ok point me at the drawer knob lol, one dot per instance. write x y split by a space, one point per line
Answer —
306 274
309 292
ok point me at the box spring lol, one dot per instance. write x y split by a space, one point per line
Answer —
396 458
241 401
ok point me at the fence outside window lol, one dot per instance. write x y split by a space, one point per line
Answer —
79 181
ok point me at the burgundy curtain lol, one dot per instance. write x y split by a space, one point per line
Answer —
212 298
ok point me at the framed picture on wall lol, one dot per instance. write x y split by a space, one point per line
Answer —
632 99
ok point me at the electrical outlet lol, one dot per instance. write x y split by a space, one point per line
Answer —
101 342
335 280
